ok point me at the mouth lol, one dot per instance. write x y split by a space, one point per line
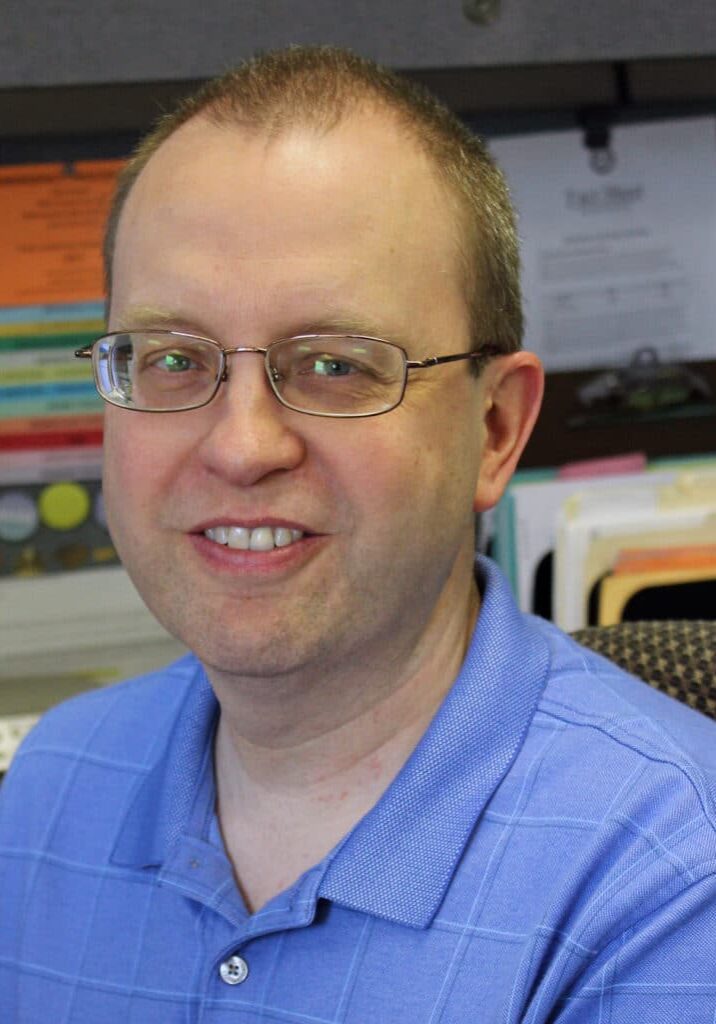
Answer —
256 538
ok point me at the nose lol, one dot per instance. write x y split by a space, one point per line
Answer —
249 434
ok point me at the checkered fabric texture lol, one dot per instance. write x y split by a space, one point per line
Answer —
676 656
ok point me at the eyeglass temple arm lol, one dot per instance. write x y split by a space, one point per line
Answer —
486 352
83 353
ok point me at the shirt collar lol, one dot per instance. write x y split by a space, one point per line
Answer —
398 860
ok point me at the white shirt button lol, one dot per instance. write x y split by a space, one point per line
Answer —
234 970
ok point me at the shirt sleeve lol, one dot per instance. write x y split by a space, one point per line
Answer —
661 971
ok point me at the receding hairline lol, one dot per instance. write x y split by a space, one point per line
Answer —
318 88
426 189
219 116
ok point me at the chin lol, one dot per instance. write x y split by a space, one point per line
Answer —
248 661
240 649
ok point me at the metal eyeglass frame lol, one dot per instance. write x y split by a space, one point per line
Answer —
486 352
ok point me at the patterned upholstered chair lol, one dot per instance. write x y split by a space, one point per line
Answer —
676 656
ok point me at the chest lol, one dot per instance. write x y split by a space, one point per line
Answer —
191 966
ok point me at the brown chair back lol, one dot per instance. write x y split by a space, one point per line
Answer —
676 656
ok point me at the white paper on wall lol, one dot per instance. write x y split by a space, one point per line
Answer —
619 259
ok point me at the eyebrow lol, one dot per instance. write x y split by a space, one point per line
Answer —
154 318
138 318
348 324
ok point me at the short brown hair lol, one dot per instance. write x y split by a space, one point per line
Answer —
318 87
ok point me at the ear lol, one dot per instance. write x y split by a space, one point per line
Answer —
512 394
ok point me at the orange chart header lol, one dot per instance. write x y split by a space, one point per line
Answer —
53 218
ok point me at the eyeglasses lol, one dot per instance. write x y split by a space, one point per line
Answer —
318 374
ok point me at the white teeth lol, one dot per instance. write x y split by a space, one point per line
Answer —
261 538
238 537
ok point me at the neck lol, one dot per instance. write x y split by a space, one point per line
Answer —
298 765
287 731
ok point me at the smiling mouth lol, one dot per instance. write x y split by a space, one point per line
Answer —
258 538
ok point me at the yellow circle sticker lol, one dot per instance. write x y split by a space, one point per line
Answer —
63 506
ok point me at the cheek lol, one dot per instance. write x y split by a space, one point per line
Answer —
133 470
116 485
448 464
420 477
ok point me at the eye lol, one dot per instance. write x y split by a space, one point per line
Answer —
173 362
330 366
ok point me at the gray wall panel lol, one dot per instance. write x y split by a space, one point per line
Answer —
45 42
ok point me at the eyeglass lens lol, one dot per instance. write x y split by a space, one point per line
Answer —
327 374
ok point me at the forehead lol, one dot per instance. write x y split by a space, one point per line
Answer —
359 205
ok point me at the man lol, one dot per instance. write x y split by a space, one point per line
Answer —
376 791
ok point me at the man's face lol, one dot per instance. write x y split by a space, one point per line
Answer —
244 240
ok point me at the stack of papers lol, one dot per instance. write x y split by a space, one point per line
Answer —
51 300
564 542
596 530
649 583
47 397
69 632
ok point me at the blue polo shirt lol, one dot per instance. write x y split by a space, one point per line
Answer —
547 854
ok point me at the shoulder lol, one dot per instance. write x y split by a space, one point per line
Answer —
115 721
585 689
618 754
610 806
116 732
